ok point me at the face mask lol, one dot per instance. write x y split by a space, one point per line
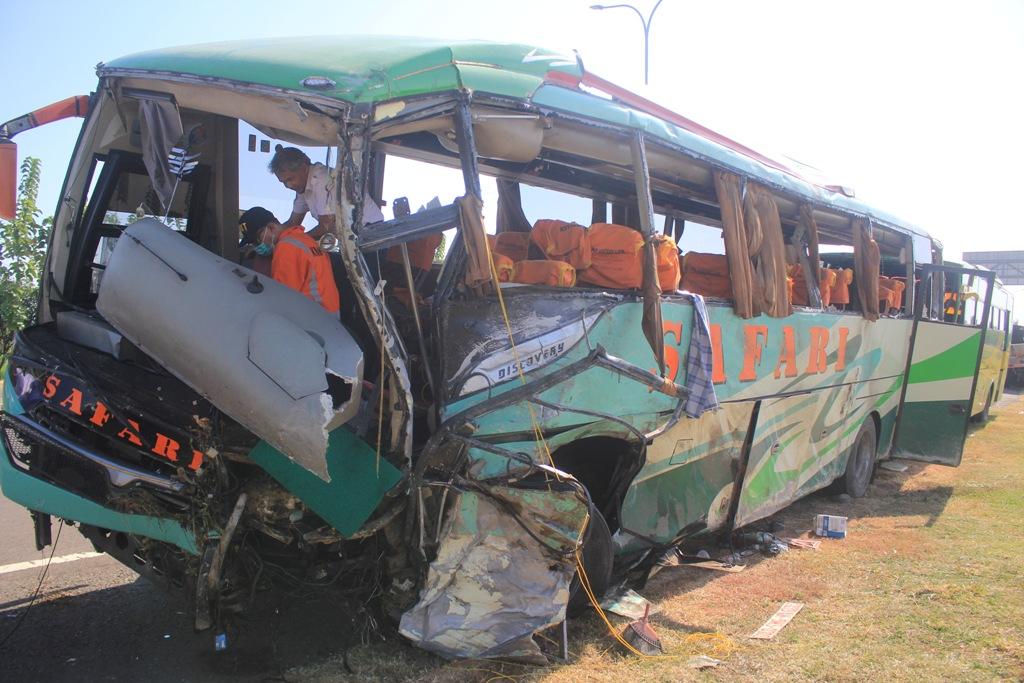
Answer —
263 249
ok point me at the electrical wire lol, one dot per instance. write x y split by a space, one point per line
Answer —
39 586
539 434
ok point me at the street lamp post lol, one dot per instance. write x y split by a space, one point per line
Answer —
647 29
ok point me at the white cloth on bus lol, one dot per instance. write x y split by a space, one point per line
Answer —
318 197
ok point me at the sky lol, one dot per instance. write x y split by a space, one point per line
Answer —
918 106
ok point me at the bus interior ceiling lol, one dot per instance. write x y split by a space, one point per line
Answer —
589 160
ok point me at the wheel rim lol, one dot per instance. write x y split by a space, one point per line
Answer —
863 458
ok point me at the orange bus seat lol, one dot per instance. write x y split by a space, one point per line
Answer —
669 273
551 273
504 266
706 274
563 241
827 284
797 285
421 252
616 257
899 284
515 245
885 294
841 291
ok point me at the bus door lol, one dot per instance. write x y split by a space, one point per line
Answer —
942 365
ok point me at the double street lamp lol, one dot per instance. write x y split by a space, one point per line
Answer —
647 28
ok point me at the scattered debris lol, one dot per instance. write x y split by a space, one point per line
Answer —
702 662
804 543
764 542
640 634
893 466
778 621
718 566
627 603
674 558
830 526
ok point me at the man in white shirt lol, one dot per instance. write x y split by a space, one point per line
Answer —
313 185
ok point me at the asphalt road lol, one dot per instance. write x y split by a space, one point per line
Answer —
95 619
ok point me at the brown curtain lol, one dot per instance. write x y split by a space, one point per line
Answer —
866 268
510 216
811 232
478 268
727 187
768 251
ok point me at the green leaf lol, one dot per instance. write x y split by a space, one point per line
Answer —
23 243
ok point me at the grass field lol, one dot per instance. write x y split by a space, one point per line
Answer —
928 585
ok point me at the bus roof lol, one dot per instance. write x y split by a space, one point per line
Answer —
372 69
363 68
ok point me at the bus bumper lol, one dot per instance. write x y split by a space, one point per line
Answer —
41 496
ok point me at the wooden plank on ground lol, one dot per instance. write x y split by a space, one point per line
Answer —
778 621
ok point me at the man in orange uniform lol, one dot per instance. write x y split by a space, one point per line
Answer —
301 264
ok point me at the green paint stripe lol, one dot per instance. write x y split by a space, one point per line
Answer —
955 362
888 394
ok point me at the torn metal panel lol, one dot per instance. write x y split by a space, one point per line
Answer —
196 314
357 484
268 335
369 294
482 370
688 477
474 329
493 585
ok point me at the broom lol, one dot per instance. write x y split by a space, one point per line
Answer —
640 634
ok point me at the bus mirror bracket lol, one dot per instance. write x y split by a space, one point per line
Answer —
64 109
8 179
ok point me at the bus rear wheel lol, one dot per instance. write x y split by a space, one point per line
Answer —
982 417
860 466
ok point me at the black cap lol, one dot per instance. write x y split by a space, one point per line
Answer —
251 222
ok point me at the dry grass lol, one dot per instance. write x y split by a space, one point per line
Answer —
929 585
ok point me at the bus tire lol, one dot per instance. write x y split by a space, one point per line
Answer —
596 554
982 417
860 466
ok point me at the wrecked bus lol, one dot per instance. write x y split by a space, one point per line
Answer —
557 394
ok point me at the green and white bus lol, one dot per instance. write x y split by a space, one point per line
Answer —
640 333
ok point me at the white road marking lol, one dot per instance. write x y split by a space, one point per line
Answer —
21 566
